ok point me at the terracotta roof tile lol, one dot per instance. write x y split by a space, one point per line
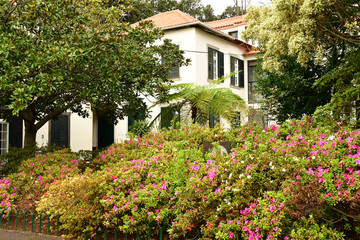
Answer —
170 19
226 22
252 51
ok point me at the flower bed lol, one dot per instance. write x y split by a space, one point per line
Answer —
296 181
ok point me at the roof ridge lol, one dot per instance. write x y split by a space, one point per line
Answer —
226 19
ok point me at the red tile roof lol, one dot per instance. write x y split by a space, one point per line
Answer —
252 51
176 18
228 22
170 19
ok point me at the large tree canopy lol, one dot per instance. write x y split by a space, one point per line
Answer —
291 93
324 32
59 55
302 28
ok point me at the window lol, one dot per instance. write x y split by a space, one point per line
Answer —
234 34
59 131
169 117
253 96
237 65
215 64
175 70
4 137
213 121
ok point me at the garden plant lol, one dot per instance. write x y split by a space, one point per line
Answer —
300 180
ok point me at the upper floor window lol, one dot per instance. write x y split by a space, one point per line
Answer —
215 64
175 70
237 65
234 34
4 137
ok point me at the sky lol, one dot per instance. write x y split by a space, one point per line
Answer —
220 5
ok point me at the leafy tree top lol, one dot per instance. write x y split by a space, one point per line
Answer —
303 28
58 55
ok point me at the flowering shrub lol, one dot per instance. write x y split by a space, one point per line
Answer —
36 174
7 194
300 180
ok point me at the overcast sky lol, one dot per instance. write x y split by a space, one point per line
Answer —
220 5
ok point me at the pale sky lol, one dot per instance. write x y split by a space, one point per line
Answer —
220 5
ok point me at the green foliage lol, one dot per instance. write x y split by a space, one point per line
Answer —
300 180
56 56
302 28
291 93
205 100
36 174
139 128
344 79
14 158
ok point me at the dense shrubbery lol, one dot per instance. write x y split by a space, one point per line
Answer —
298 181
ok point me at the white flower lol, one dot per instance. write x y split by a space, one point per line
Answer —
313 157
332 137
241 175
248 176
270 163
272 167
242 161
284 170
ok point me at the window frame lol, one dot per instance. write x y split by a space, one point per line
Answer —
252 97
215 64
4 148
236 64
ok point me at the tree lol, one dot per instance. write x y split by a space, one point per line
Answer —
291 93
345 82
230 11
205 100
302 28
323 32
59 55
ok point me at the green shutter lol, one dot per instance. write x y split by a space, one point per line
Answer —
241 73
220 64
60 131
210 63
232 69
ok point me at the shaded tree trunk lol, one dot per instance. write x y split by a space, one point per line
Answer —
194 111
30 133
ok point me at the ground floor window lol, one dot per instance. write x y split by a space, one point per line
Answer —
4 137
60 131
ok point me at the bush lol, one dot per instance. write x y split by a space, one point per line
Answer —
300 180
10 161
36 174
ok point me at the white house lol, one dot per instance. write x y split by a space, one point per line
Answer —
214 50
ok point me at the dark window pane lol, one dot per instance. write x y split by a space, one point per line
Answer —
210 63
60 131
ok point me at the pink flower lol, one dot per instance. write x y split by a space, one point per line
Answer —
357 161
231 235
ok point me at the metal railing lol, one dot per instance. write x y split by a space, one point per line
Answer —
116 232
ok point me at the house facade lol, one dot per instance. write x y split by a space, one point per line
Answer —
214 49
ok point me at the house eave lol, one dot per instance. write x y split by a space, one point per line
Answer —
211 30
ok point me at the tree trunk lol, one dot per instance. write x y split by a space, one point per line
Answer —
30 133
194 111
